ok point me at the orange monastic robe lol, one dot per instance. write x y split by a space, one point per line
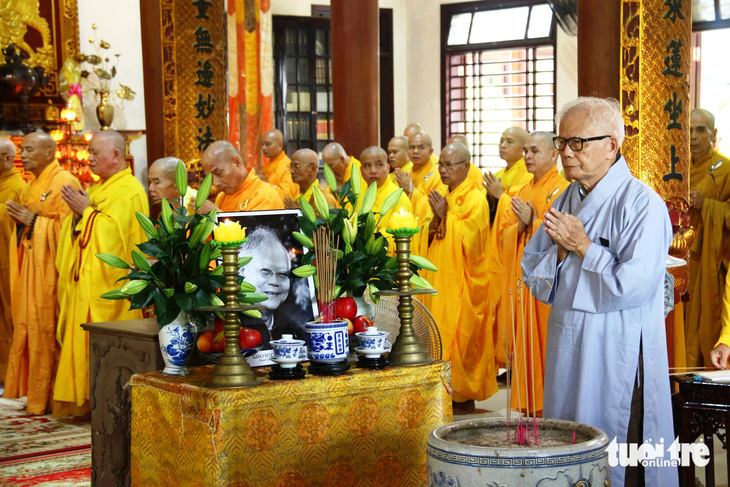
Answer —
108 225
530 334
515 177
35 351
709 258
11 184
458 251
253 195
279 176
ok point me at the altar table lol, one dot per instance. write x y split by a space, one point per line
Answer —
364 428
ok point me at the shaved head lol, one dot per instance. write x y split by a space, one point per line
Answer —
161 178
460 139
7 154
336 158
511 145
454 165
420 149
272 143
107 154
412 129
398 151
37 151
374 165
540 154
222 160
303 167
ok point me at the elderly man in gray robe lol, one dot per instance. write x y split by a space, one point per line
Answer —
600 262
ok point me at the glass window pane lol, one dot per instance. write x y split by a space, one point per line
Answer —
725 9
459 29
541 19
499 25
320 48
703 10
304 70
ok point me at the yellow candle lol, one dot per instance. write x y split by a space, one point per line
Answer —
402 219
229 231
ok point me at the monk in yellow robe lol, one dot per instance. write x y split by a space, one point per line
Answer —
518 218
475 174
375 168
38 213
710 251
161 183
102 221
398 156
304 166
11 184
720 354
336 158
458 236
276 170
514 175
239 189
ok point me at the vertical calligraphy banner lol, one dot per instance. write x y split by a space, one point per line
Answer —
655 66
194 76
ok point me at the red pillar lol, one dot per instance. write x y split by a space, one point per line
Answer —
355 73
599 48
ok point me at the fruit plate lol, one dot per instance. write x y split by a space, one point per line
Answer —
215 356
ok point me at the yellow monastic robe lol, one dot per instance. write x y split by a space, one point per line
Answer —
460 308
407 167
725 320
11 184
279 176
309 195
427 177
476 176
35 351
515 177
505 257
108 225
385 190
709 260
254 194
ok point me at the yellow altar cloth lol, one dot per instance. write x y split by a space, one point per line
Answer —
364 428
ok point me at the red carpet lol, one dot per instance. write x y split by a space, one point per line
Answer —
42 451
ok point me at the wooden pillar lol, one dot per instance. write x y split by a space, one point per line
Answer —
599 48
355 73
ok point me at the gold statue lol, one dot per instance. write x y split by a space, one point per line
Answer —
16 17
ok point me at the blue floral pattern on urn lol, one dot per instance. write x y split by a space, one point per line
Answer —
327 341
440 479
177 341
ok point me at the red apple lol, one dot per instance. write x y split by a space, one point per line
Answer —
205 341
218 323
362 323
249 338
350 327
219 342
346 308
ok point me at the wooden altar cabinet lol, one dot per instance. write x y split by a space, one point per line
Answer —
362 428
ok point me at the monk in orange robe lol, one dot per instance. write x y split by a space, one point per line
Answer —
102 221
710 251
39 212
11 184
517 220
276 170
304 166
336 158
458 236
514 175
239 189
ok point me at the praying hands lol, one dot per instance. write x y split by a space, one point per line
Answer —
567 233
76 199
493 185
524 212
19 213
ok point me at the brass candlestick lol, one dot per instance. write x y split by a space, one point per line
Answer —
232 370
408 348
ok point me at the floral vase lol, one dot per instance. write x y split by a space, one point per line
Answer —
105 111
177 340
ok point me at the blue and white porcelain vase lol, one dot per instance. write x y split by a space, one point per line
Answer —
327 342
177 341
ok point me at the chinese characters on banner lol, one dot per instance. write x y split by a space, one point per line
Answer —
675 79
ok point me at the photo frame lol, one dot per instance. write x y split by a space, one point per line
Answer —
270 272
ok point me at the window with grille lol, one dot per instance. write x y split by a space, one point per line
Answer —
499 72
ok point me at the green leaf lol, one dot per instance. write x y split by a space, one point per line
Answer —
217 271
305 271
329 176
369 199
190 288
216 301
133 287
168 292
390 201
140 261
204 259
242 261
423 263
251 298
148 227
113 261
253 313
203 191
420 283
166 216
303 239
391 263
307 210
321 203
373 289
247 287
181 178
355 181
184 301
114 294
369 225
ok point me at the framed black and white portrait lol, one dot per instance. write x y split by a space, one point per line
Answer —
291 301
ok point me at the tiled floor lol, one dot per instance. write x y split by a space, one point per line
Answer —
496 405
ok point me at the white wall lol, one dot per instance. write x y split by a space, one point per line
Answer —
118 23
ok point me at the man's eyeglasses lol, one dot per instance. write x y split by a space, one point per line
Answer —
449 166
575 143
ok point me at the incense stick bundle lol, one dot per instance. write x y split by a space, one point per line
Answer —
326 264
532 362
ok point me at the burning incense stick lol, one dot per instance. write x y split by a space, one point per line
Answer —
508 352
513 325
532 365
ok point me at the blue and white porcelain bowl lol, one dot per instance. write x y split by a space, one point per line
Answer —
287 351
327 342
372 339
